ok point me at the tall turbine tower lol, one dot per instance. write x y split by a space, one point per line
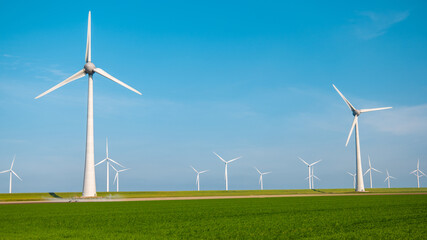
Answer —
417 172
198 177
108 165
356 113
370 171
388 178
226 165
310 180
89 185
260 177
10 171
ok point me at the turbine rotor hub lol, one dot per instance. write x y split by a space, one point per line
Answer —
356 112
89 68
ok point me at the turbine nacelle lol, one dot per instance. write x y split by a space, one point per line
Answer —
356 112
89 68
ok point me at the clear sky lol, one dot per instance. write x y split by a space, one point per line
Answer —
249 78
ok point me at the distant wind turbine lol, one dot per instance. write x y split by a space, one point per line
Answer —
260 177
198 177
388 178
226 165
108 160
313 177
310 179
356 113
417 172
116 178
10 171
370 171
89 184
354 178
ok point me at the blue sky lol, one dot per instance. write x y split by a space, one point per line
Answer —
249 79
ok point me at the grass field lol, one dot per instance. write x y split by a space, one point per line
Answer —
330 217
65 195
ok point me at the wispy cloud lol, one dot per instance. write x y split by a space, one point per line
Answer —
370 25
401 120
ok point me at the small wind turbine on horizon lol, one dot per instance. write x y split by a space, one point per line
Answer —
10 171
260 177
354 178
356 113
388 178
116 177
370 170
198 177
89 183
108 160
417 173
226 166
310 175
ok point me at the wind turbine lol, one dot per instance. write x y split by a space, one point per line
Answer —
108 165
117 175
260 177
356 113
226 166
388 178
310 181
198 177
417 173
89 184
354 178
10 171
370 171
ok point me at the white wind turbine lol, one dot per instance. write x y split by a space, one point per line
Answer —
354 178
116 177
310 179
359 173
370 170
89 184
417 173
10 171
226 165
198 177
108 160
260 177
388 178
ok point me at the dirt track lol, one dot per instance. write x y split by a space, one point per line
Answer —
199 198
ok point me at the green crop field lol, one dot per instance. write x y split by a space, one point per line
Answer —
328 217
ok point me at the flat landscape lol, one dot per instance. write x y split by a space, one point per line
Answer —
328 217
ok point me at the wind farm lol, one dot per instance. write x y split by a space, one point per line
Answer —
237 108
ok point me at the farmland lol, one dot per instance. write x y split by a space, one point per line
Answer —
328 217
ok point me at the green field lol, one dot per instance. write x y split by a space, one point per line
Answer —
329 217
114 195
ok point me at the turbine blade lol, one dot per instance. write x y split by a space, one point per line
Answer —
258 170
316 177
13 161
100 162
373 109
422 172
105 74
351 130
115 177
413 172
376 170
203 171
76 76
16 174
194 169
366 172
345 99
88 56
219 157
116 162
234 159
386 179
4 171
266 173
315 163
123 170
304 161
111 165
393 177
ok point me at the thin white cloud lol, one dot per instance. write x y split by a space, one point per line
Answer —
371 24
411 120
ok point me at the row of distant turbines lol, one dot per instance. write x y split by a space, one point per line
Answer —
89 184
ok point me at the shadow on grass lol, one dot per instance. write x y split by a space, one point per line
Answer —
54 195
